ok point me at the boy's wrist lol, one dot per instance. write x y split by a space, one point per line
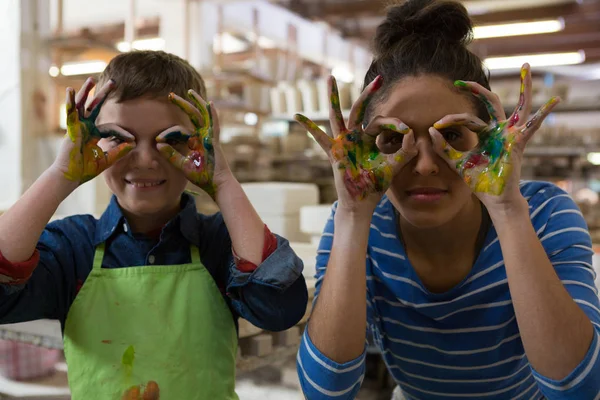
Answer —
57 177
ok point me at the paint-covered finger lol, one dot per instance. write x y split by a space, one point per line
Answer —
93 109
525 94
70 105
335 109
407 152
82 95
133 393
116 153
172 155
490 99
357 114
470 121
321 137
190 110
201 105
536 121
380 124
113 130
443 148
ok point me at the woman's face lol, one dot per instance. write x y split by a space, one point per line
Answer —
427 192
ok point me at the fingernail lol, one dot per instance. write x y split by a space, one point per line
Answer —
172 96
461 84
377 83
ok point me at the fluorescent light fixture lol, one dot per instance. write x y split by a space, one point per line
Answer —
594 158
54 71
82 68
535 60
142 44
343 74
519 28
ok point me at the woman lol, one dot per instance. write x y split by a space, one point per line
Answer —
471 283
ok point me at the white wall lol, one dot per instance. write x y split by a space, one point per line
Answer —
10 102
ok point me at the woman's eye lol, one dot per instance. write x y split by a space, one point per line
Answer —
451 135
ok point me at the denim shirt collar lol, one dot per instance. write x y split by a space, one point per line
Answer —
113 220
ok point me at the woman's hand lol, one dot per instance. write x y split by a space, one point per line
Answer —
493 169
201 160
362 173
80 158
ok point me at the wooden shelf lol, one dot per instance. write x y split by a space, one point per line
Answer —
238 106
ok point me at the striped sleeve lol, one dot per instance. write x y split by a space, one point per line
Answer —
563 233
320 377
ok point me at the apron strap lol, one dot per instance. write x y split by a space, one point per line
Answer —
195 252
98 256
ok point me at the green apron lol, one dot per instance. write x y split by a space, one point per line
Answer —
152 325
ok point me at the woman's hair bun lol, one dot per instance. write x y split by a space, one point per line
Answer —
423 20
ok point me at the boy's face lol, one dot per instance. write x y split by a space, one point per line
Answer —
145 183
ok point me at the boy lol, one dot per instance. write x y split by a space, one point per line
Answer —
148 295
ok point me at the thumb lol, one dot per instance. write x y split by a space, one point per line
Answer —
172 155
406 153
445 150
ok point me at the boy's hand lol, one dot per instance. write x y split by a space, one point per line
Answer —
80 158
203 162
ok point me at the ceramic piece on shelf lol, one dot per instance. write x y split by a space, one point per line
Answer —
310 98
323 95
278 104
293 98
345 93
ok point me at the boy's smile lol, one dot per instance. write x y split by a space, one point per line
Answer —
147 186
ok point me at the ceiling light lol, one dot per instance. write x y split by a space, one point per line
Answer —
82 68
251 119
142 44
54 71
519 28
535 60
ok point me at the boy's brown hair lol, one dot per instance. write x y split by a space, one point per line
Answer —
152 74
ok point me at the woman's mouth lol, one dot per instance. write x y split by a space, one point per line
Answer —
426 194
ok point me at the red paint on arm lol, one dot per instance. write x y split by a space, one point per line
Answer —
269 246
17 273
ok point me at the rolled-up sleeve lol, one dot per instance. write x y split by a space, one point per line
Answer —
274 296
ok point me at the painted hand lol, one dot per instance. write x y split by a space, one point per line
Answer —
80 158
492 169
362 173
149 391
200 159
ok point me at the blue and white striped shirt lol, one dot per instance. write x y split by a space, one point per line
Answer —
464 343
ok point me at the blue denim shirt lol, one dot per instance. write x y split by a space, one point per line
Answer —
272 297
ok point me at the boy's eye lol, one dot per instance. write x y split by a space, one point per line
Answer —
117 139
174 142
